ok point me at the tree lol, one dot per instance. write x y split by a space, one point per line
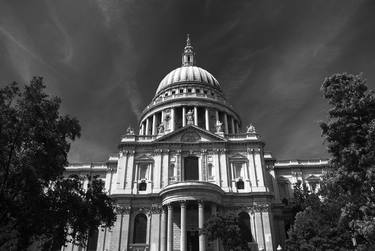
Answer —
39 205
345 215
229 230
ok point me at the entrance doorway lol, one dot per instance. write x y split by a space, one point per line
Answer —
192 241
191 167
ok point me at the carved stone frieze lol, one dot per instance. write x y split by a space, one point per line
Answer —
156 209
158 151
123 209
261 207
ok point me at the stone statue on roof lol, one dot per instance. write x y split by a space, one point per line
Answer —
130 130
189 117
250 129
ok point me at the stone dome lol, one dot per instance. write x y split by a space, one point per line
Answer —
188 73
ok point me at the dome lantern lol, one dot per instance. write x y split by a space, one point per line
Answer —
188 54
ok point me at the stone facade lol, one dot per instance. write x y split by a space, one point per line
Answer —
189 161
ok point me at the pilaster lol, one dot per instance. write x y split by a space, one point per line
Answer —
156 211
130 172
121 170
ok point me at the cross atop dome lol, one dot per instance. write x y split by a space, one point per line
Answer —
188 54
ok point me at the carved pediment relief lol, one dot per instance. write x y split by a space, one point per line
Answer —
190 136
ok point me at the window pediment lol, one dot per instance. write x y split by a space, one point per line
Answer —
144 158
238 157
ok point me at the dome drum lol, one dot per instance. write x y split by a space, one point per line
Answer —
174 116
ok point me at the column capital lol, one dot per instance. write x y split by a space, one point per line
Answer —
156 209
200 203
182 203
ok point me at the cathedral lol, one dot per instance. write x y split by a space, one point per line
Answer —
190 160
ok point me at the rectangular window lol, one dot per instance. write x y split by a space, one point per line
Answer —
237 166
143 169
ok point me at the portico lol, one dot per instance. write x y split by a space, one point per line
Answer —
191 198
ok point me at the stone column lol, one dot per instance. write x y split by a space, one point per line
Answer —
213 214
207 119
170 228
195 116
173 122
154 129
147 126
233 128
142 129
125 228
238 127
217 116
226 123
183 116
202 238
163 230
183 226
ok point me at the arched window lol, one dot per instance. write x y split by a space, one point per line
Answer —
140 228
244 224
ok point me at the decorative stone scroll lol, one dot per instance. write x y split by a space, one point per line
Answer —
156 209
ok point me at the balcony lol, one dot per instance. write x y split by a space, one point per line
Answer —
191 190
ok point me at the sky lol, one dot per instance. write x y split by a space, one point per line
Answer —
105 59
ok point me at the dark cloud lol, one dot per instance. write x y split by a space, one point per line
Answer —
105 59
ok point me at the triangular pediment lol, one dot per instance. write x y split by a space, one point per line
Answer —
144 157
190 134
238 156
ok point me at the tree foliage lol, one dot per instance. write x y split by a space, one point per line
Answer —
39 205
344 218
229 230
